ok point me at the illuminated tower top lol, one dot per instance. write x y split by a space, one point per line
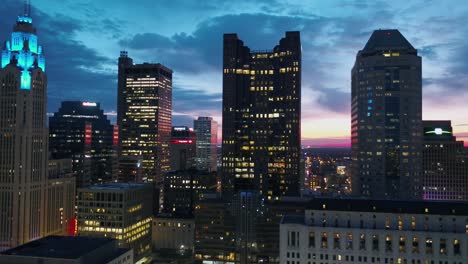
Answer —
23 50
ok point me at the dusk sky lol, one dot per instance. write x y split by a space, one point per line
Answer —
82 41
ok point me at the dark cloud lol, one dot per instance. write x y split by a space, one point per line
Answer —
335 99
147 41
429 52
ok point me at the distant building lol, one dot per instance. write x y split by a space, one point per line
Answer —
130 169
60 200
445 163
173 235
69 250
372 231
207 140
23 136
118 210
386 126
183 148
261 117
144 109
182 189
81 131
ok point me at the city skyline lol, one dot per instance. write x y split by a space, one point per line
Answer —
97 32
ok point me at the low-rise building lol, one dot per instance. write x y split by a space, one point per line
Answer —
118 210
173 235
68 250
373 231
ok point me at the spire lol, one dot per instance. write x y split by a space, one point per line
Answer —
27 8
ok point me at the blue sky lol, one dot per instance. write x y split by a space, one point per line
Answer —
82 40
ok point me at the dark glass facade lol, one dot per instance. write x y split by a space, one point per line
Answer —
144 110
386 119
81 131
261 117
445 163
183 148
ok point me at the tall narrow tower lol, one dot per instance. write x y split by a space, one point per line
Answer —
23 136
386 118
144 117
261 117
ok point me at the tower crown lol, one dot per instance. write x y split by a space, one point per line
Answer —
22 49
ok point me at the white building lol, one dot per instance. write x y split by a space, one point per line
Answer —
23 137
369 231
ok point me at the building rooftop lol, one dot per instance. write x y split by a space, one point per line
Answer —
388 39
390 206
117 186
64 247
293 219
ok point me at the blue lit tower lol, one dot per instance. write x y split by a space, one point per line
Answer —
23 136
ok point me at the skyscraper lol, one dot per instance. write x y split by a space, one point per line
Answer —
386 128
261 117
207 139
144 111
81 131
183 148
445 163
23 136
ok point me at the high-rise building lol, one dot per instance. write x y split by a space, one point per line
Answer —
118 210
182 189
129 169
81 131
261 117
23 136
386 120
215 231
60 200
445 163
207 140
183 148
144 114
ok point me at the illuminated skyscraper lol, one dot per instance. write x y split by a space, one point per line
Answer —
445 163
386 127
261 117
207 140
23 136
144 111
81 131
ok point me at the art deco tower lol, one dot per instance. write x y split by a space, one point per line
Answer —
23 136
386 118
261 117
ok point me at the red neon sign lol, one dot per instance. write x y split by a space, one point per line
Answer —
115 135
181 141
73 227
88 134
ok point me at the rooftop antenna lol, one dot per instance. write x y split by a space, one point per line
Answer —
27 8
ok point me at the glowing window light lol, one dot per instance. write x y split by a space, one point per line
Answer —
25 80
438 131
